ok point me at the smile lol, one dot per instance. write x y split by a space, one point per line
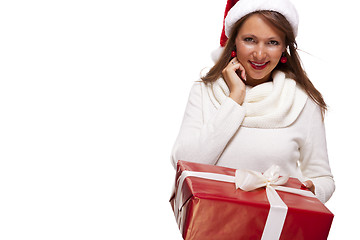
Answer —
258 66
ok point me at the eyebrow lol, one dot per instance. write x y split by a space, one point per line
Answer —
253 36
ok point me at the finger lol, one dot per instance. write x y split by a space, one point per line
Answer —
243 73
239 67
309 185
233 62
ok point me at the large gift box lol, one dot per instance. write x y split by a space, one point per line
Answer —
208 205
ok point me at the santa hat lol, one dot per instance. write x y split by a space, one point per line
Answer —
236 9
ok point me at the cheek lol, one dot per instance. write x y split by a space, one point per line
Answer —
276 54
244 51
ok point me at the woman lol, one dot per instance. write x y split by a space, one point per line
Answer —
256 107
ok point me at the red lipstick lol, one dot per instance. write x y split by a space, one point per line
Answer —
258 66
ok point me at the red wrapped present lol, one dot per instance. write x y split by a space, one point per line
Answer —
208 205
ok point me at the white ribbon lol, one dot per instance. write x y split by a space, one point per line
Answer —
248 180
205 175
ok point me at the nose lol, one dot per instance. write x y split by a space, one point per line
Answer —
259 53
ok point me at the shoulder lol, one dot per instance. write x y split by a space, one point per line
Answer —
198 84
196 88
311 111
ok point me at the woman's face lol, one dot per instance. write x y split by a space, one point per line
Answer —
259 46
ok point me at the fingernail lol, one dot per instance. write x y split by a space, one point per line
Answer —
303 185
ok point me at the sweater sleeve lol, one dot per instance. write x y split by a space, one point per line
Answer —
203 140
314 161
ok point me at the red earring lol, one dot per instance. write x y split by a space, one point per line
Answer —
233 54
283 59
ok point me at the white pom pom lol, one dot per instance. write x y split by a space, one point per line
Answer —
215 55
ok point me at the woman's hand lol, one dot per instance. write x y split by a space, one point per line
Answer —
309 185
232 79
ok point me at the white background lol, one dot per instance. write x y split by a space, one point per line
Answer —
92 95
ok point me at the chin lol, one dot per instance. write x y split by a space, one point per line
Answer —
259 77
258 74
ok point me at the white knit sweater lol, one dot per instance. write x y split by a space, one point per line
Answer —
276 124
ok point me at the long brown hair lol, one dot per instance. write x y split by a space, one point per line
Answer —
292 68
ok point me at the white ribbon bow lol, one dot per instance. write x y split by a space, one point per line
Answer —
249 180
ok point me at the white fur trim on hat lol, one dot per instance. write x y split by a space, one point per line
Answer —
244 7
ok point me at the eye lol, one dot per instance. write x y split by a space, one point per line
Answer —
249 39
273 42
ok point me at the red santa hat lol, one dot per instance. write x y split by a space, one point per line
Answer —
236 9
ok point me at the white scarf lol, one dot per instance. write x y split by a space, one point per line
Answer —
274 104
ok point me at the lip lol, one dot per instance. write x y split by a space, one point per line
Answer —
258 66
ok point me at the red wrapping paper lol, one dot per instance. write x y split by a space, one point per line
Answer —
217 210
